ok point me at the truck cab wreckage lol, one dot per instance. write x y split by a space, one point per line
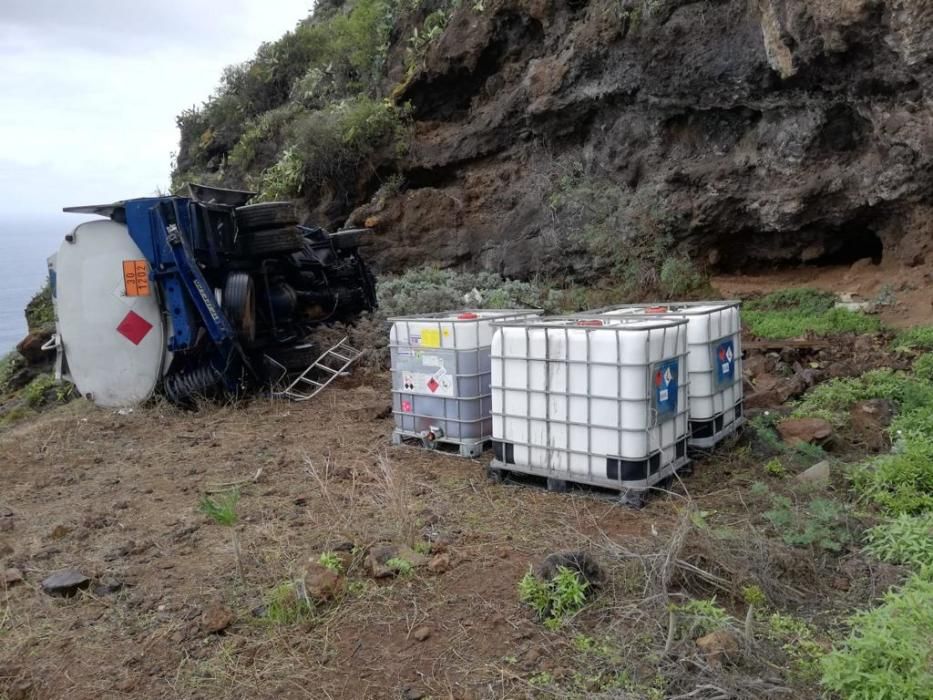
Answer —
202 295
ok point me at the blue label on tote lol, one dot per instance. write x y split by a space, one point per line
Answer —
724 361
665 379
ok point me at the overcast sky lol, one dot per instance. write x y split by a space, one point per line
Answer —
89 89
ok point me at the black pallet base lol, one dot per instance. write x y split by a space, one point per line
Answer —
499 472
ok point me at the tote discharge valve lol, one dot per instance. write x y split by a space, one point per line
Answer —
202 295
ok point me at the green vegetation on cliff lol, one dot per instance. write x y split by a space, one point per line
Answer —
309 116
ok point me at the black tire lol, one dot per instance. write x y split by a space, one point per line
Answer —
294 358
239 304
257 217
274 241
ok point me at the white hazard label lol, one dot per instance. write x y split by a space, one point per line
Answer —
729 354
668 376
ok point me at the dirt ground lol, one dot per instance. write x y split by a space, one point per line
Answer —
115 495
904 295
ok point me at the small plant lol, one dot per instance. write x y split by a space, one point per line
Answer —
554 599
36 392
222 510
423 547
907 539
775 468
917 338
400 566
887 654
794 312
901 482
330 560
678 277
702 616
797 641
821 522
542 679
287 603
755 599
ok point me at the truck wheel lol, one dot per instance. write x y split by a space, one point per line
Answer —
295 358
279 240
256 217
239 304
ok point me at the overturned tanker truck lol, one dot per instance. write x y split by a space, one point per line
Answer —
202 295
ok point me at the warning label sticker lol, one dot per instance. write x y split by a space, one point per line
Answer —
430 338
440 383
724 362
136 278
665 388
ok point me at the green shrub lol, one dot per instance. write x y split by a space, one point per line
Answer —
282 181
888 654
37 391
834 398
330 560
325 59
794 312
794 323
906 539
797 641
821 523
430 290
287 604
40 311
221 508
901 482
554 599
702 617
679 277
775 468
917 338
923 367
10 364
804 300
400 566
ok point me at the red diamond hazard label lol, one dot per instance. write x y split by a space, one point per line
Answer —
433 385
134 327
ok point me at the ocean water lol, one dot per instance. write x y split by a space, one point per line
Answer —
25 244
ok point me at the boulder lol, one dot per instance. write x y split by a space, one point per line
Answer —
378 557
869 419
11 576
65 583
817 474
216 618
30 347
323 584
439 563
795 431
718 646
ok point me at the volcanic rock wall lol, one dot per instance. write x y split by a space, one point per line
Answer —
739 132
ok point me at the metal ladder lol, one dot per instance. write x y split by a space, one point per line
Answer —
330 365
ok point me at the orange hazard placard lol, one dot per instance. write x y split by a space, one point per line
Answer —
136 278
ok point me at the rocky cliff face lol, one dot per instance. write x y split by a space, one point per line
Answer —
567 137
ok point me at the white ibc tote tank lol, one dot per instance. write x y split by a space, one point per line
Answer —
714 363
440 377
595 401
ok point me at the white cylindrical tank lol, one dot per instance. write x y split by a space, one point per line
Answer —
714 362
440 376
596 401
